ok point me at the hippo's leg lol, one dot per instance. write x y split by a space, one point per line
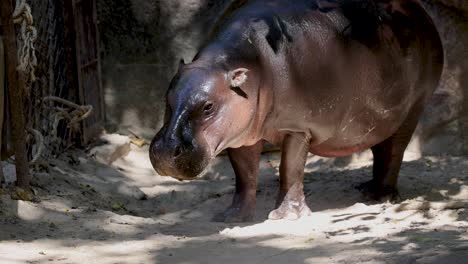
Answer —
291 203
245 162
388 156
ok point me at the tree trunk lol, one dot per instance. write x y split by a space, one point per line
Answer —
16 87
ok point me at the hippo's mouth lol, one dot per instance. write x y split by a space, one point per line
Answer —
190 168
199 176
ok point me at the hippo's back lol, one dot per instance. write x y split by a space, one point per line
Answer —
347 72
355 71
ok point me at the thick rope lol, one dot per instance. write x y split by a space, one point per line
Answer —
28 35
39 139
79 113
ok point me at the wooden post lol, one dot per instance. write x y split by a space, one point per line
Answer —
2 104
88 66
16 85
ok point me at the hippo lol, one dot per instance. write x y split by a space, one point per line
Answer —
327 77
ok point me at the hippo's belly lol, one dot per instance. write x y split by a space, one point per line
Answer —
349 127
328 139
357 133
345 145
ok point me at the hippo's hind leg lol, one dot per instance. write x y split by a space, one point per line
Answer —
388 156
245 162
291 203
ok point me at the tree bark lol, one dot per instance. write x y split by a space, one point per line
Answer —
16 87
2 103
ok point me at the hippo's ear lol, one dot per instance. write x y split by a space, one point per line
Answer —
238 77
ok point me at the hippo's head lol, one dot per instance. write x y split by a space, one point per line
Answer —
207 110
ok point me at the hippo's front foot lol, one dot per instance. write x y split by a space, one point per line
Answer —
237 212
293 205
378 192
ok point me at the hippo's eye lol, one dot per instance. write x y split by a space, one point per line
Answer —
208 108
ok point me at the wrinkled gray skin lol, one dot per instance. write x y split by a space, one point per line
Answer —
326 77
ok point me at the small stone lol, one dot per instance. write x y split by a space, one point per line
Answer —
118 206
82 160
132 191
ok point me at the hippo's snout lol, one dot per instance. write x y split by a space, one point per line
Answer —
171 157
158 157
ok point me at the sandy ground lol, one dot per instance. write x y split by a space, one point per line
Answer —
90 212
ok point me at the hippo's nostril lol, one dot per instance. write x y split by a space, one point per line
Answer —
177 151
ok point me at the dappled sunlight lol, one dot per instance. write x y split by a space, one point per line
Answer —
463 193
414 149
305 226
28 212
96 215
47 251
